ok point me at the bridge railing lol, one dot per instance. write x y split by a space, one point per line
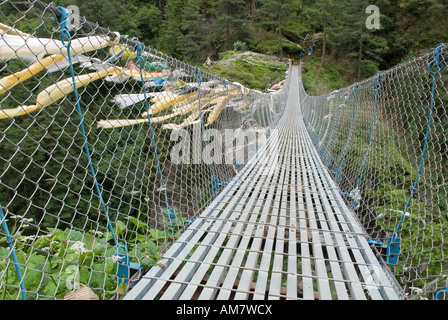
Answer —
384 140
108 150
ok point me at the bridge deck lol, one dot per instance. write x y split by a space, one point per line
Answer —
279 230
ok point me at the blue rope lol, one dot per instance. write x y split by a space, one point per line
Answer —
117 56
64 16
13 253
437 53
344 152
140 63
215 179
329 158
440 292
123 264
376 87
355 193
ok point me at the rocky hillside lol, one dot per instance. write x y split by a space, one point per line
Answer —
253 70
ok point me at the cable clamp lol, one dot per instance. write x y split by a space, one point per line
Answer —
389 251
63 18
124 264
393 250
170 214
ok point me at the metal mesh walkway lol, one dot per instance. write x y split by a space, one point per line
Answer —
279 230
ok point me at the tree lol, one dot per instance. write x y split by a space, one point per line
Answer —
141 21
277 14
343 24
230 16
171 28
325 16
193 33
368 46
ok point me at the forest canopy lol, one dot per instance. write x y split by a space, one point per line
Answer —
194 30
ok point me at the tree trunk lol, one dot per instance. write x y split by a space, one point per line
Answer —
161 4
280 40
250 9
360 57
324 45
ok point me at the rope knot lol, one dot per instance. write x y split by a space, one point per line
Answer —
63 18
139 61
377 86
436 62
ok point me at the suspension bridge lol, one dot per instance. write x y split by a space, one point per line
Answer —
279 229
339 197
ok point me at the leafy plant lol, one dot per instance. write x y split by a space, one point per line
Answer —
56 263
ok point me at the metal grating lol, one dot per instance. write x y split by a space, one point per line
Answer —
279 230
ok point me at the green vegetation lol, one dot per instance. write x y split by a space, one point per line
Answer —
391 171
61 259
327 79
250 69
195 30
58 220
246 41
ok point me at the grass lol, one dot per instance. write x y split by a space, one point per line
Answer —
319 81
252 70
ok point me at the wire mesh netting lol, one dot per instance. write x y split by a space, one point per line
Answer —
108 150
384 141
